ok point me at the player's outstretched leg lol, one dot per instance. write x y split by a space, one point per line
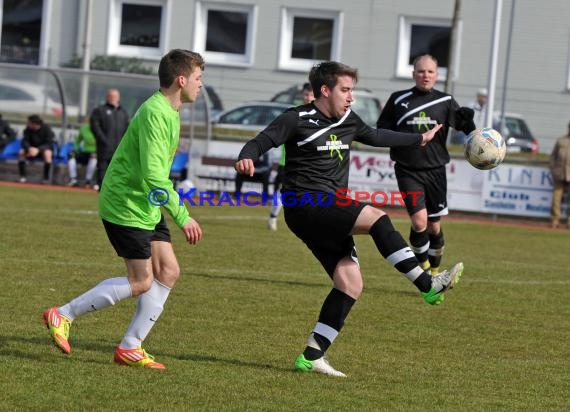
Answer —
58 327
395 250
441 283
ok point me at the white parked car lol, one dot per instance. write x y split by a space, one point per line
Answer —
18 96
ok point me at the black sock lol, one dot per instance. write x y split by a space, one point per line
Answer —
437 243
47 166
423 282
334 311
22 168
388 241
420 242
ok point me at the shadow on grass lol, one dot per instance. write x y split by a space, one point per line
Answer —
367 289
7 350
233 362
259 280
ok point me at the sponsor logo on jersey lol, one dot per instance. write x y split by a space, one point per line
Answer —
334 145
422 121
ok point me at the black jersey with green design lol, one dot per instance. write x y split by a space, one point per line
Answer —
416 111
318 147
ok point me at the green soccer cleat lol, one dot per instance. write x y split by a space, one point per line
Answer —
441 283
58 327
320 365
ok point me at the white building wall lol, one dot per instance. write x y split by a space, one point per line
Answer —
537 79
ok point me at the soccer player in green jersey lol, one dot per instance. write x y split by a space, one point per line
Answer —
136 186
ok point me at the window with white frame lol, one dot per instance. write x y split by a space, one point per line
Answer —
224 33
308 37
420 35
21 31
138 28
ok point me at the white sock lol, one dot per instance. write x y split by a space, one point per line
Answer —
72 165
91 165
276 207
106 293
149 308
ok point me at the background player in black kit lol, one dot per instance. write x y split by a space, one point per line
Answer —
422 169
317 138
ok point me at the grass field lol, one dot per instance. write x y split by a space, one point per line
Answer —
246 302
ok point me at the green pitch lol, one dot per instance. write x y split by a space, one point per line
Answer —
246 302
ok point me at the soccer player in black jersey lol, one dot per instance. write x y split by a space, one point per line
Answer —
317 138
422 169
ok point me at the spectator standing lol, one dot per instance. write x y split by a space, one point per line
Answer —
108 123
7 134
85 153
560 169
479 107
38 141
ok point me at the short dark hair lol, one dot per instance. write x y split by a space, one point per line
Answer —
35 119
178 62
307 87
327 73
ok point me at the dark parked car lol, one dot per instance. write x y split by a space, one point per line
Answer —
214 103
365 104
514 130
246 120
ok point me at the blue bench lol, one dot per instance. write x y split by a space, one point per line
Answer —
11 150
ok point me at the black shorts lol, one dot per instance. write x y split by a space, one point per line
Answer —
134 243
423 189
326 230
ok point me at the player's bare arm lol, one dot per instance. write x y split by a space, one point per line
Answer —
245 166
427 136
192 231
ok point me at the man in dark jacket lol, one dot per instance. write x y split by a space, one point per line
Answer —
38 141
108 122
560 168
7 134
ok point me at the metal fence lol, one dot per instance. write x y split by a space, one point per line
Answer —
65 97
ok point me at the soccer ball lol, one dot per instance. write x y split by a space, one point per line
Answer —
485 148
